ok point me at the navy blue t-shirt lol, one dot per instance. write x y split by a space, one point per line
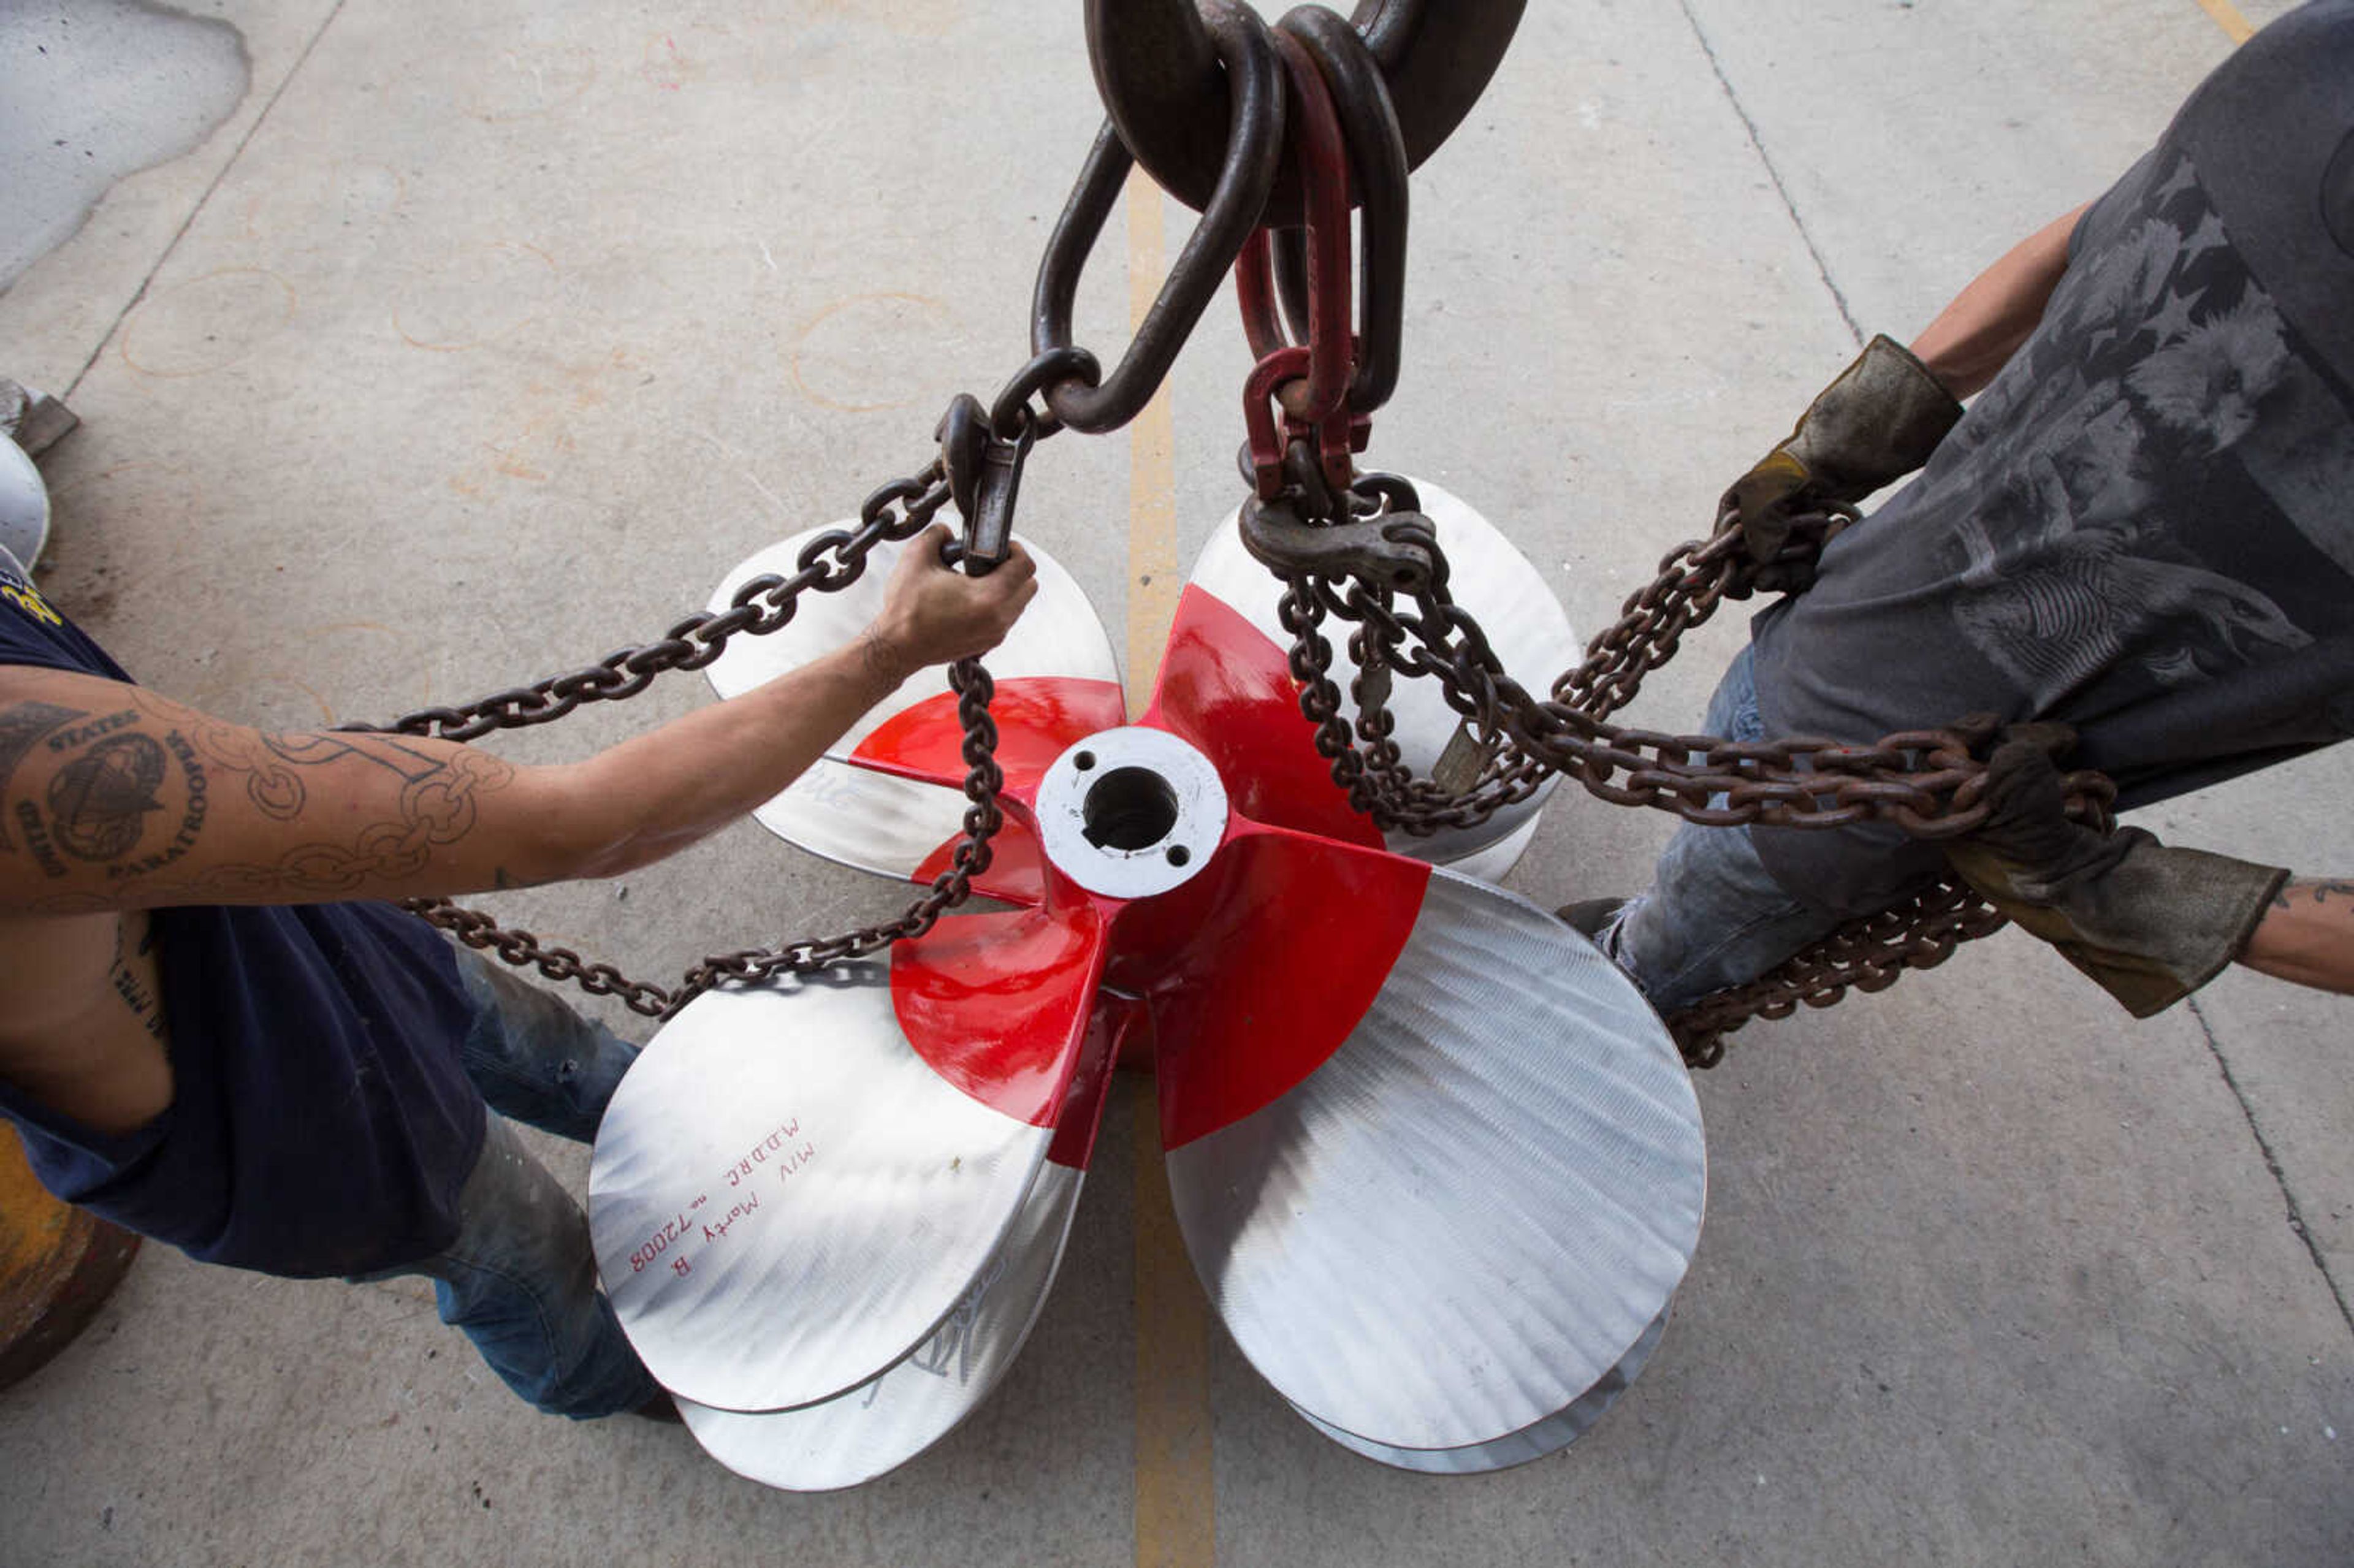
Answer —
321 1122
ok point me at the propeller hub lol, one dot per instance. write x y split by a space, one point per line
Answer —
1131 812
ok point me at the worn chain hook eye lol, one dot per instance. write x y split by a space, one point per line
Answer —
1253 85
1052 367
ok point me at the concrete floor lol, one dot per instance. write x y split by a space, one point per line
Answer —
479 340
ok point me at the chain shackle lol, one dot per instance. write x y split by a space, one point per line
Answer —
982 452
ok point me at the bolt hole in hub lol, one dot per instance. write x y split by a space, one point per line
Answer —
1131 812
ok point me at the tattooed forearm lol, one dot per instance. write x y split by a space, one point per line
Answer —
36 839
22 725
275 764
193 806
101 800
2308 935
271 782
2293 894
436 806
161 804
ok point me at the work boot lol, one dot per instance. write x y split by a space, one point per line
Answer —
1588 915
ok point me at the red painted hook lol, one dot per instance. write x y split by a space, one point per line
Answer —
1316 404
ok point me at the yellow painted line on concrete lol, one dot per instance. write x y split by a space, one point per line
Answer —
1176 1495
1152 580
2227 16
1176 1492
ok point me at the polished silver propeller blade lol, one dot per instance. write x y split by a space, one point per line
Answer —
24 509
1470 1212
889 1421
1553 1434
786 1197
874 821
1524 622
865 819
881 1425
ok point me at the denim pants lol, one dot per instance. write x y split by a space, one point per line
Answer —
1713 915
521 1278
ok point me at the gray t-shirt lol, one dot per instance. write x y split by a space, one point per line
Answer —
2145 527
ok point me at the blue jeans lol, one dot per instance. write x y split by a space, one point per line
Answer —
1713 915
521 1278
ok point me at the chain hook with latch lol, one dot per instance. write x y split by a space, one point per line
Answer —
982 452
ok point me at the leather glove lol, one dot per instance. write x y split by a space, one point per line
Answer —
1878 422
2149 924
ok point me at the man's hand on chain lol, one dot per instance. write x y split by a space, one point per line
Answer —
935 614
2149 923
1876 423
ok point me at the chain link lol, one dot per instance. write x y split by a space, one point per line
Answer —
1865 955
1927 781
969 859
828 564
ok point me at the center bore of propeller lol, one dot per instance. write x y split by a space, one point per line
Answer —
1129 809
1131 812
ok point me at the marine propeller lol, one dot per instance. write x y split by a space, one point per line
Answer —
1439 1166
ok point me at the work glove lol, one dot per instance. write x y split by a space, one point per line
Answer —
1878 422
2149 924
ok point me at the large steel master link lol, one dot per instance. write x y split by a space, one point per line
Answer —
1157 66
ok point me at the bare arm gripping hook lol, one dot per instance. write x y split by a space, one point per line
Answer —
1158 73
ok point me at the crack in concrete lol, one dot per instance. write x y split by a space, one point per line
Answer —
114 328
96 91
2272 1163
1758 140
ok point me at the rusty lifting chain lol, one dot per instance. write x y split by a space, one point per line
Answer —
1210 101
1348 547
1928 782
829 563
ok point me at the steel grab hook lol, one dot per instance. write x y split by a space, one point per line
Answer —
1158 75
